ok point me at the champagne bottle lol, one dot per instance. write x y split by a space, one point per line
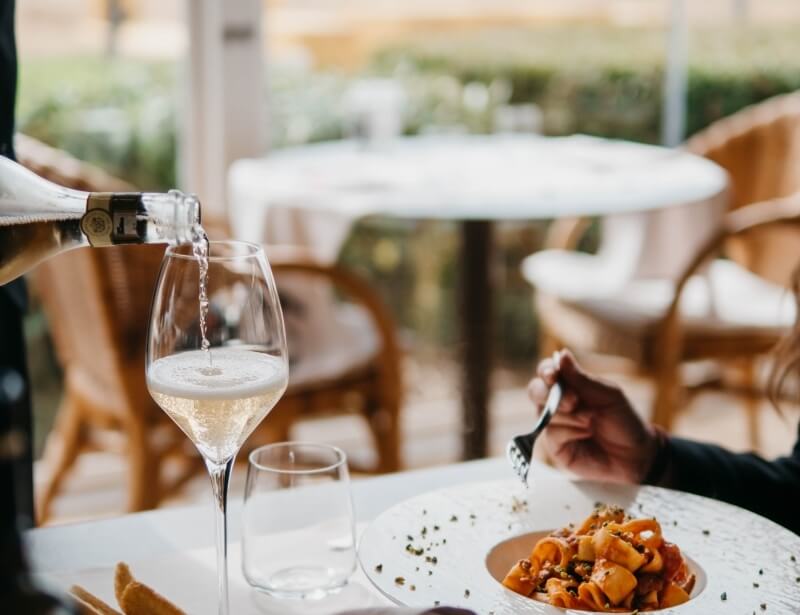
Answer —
39 219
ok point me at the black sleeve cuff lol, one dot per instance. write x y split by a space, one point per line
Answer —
661 462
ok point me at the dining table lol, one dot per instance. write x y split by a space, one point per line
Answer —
445 535
313 194
172 549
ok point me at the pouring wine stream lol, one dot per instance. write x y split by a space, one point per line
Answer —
200 252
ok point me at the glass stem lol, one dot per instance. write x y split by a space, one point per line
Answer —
220 475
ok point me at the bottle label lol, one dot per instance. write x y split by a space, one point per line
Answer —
111 218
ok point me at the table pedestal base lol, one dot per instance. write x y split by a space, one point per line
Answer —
476 307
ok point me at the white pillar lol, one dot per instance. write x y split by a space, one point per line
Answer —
224 110
676 76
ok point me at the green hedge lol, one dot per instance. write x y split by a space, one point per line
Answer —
608 82
118 114
122 114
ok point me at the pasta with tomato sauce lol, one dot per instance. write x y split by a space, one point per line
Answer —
611 563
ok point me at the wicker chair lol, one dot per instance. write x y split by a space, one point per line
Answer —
749 306
97 304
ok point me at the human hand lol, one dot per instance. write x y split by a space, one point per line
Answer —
596 433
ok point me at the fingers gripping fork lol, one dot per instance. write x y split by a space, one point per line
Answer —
520 449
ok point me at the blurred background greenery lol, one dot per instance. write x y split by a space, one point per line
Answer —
120 114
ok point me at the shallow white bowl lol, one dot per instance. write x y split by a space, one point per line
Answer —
484 528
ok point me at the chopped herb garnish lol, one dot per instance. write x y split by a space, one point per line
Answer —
472 516
424 531
763 606
413 588
723 596
409 537
435 528
414 551
466 593
793 558
453 518
400 580
430 572
706 532
760 571
379 568
755 585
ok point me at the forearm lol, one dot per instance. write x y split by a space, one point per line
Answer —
769 488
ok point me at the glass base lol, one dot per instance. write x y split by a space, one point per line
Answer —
303 582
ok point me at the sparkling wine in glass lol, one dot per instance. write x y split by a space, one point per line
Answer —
216 356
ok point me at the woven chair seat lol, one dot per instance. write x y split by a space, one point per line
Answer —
349 346
583 308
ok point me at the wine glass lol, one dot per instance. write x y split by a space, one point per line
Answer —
218 395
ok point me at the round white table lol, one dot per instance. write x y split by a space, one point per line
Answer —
314 193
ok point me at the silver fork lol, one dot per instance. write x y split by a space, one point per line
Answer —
520 449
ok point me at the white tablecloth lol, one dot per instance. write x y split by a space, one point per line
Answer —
311 195
172 550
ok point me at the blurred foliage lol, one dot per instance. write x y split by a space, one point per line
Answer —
608 81
119 114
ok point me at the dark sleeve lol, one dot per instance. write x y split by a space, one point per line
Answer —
769 488
8 78
12 296
15 291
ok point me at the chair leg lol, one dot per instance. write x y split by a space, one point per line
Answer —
383 418
144 472
752 403
667 397
62 449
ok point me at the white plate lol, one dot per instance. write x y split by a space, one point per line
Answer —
735 553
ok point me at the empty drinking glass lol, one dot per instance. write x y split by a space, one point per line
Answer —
298 531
